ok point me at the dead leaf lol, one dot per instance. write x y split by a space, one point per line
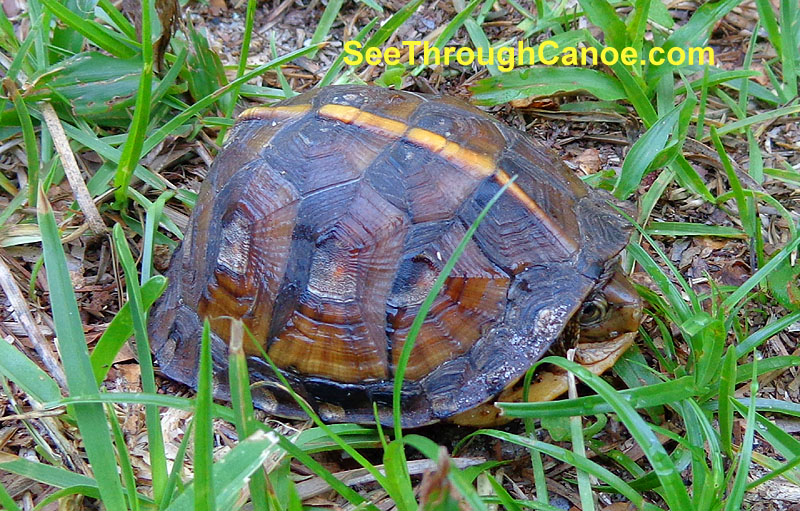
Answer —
216 7
436 491
589 161
131 373
535 102
620 506
169 14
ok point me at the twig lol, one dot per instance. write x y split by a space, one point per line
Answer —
25 318
317 486
36 414
71 169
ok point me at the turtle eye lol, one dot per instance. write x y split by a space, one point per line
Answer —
594 310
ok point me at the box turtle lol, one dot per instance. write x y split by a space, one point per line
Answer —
323 224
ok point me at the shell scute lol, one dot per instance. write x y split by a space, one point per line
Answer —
468 126
397 106
338 330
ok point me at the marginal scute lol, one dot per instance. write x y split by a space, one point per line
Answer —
398 106
332 413
325 222
471 130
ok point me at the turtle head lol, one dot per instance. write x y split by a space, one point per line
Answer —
611 310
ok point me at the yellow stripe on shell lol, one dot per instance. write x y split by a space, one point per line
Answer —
375 123
477 165
277 113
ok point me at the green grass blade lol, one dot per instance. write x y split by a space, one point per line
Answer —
132 150
691 34
325 23
741 292
691 229
675 493
6 501
701 112
790 21
634 88
293 448
449 31
782 442
735 184
508 501
75 358
572 459
480 41
142 398
87 138
397 476
637 26
154 214
177 467
736 496
643 152
287 89
47 474
242 403
121 328
641 397
579 448
119 19
18 368
756 166
766 365
603 15
13 205
28 140
672 294
249 19
333 71
748 60
727 385
689 178
761 336
790 465
388 28
766 15
205 497
166 130
20 58
426 305
124 459
7 28
230 474
713 482
158 460
164 219
546 81
754 119
99 35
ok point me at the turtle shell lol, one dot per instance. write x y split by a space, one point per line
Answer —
323 224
